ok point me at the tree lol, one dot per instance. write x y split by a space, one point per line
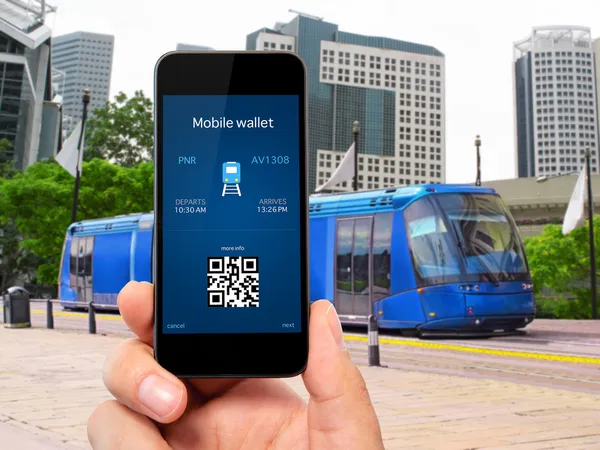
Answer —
6 162
14 261
122 132
39 202
561 264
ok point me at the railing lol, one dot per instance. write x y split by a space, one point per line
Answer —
50 311
373 328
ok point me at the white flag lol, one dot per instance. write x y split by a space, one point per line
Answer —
574 217
67 157
343 172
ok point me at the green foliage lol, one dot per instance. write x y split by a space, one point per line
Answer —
561 265
16 261
7 169
122 132
39 200
560 262
563 308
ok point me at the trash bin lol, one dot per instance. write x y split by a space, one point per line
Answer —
17 313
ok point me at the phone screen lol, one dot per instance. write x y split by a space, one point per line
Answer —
231 214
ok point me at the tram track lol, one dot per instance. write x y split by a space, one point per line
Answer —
391 357
569 376
524 360
576 346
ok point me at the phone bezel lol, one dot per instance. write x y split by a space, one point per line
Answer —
230 355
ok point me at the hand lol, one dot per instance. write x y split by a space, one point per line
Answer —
156 410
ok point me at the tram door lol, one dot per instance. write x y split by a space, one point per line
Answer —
353 297
82 249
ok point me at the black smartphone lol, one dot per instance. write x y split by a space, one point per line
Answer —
231 214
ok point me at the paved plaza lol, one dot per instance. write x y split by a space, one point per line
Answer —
51 382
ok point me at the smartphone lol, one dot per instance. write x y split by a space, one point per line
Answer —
231 214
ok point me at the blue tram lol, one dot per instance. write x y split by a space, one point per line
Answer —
423 258
101 256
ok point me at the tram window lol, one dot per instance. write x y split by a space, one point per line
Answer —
432 246
87 258
382 245
344 254
360 253
491 240
73 256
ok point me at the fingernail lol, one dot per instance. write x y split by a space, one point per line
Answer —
160 395
130 284
335 326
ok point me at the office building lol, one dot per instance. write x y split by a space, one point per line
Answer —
27 110
395 89
86 60
190 47
555 93
597 61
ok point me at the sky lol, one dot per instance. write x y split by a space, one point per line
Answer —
476 37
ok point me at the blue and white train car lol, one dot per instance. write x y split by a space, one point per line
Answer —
101 256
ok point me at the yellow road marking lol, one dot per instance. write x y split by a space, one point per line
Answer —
485 351
410 343
74 314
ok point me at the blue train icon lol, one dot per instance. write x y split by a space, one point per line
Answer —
231 173
231 179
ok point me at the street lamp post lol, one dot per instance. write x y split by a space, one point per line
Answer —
592 243
477 145
86 101
591 236
355 131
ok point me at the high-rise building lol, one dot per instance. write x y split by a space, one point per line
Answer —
597 61
555 92
27 110
86 60
191 47
395 89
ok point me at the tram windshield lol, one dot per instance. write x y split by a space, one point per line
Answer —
464 238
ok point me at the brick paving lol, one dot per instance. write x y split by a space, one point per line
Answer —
51 382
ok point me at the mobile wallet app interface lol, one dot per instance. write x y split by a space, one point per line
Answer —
231 214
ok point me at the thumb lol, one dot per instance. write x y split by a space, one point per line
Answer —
340 412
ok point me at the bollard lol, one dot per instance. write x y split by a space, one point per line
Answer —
373 341
49 314
92 317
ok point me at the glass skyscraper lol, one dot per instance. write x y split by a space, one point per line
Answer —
86 60
25 81
395 89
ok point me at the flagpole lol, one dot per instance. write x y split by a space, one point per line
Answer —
478 177
355 131
86 100
591 235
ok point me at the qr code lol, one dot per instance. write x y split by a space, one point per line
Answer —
233 281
